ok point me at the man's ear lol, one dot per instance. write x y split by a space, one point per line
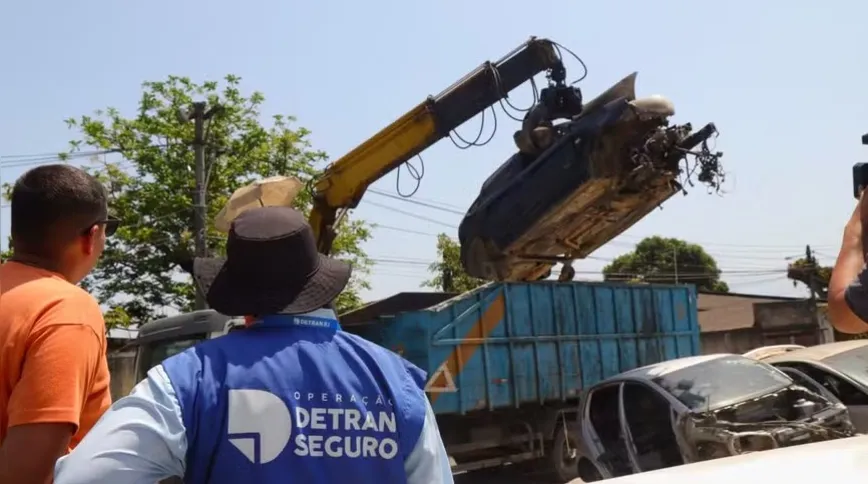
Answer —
88 240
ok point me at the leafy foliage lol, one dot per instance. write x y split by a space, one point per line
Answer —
6 254
449 275
810 273
151 189
658 260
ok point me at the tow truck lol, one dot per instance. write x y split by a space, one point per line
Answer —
505 380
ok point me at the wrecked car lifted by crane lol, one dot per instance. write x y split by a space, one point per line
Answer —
575 185
584 173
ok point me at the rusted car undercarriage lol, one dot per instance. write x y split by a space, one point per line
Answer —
576 185
792 416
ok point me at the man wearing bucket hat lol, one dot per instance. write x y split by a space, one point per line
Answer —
292 398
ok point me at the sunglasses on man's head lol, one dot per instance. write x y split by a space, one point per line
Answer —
111 226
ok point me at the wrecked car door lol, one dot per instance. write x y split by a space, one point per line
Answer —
629 427
807 382
648 419
853 397
603 434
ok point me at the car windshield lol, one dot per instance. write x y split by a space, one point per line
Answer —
853 363
723 381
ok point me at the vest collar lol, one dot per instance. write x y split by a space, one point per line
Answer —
322 319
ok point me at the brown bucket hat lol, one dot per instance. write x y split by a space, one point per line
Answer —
271 267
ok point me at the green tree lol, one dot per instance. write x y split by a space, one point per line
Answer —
809 272
6 254
143 270
658 259
449 275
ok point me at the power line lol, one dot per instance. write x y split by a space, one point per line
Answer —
46 160
717 256
733 251
15 161
405 230
445 207
414 215
681 274
18 160
421 203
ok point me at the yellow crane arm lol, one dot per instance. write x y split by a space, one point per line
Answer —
343 183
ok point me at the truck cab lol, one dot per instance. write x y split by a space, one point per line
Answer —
162 338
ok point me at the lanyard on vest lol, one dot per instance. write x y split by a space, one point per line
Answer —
313 321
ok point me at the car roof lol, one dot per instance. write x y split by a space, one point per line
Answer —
819 352
666 367
196 322
765 352
800 464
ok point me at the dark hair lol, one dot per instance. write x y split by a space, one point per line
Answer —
52 205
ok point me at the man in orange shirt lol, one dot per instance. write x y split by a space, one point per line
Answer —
54 379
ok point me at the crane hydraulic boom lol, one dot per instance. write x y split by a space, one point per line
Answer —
343 183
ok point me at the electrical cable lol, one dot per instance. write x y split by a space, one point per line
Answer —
416 202
41 159
668 275
468 144
401 229
735 248
575 56
718 255
414 215
461 143
415 174
56 158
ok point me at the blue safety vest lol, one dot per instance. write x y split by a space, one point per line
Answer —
293 399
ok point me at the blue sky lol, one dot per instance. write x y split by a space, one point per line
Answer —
783 81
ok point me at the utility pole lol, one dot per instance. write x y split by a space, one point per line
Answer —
825 333
200 204
812 270
448 282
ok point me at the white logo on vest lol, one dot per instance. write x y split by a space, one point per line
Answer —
260 426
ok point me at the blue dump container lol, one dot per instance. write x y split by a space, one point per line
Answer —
514 345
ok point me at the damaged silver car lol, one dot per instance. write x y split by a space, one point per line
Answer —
695 409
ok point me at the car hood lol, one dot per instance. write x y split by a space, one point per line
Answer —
790 416
805 464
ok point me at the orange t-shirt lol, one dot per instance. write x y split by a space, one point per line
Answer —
53 366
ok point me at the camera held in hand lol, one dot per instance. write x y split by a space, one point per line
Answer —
860 173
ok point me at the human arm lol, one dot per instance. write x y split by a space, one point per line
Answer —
848 286
30 450
45 405
428 462
141 439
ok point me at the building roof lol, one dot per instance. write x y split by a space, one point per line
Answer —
729 311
